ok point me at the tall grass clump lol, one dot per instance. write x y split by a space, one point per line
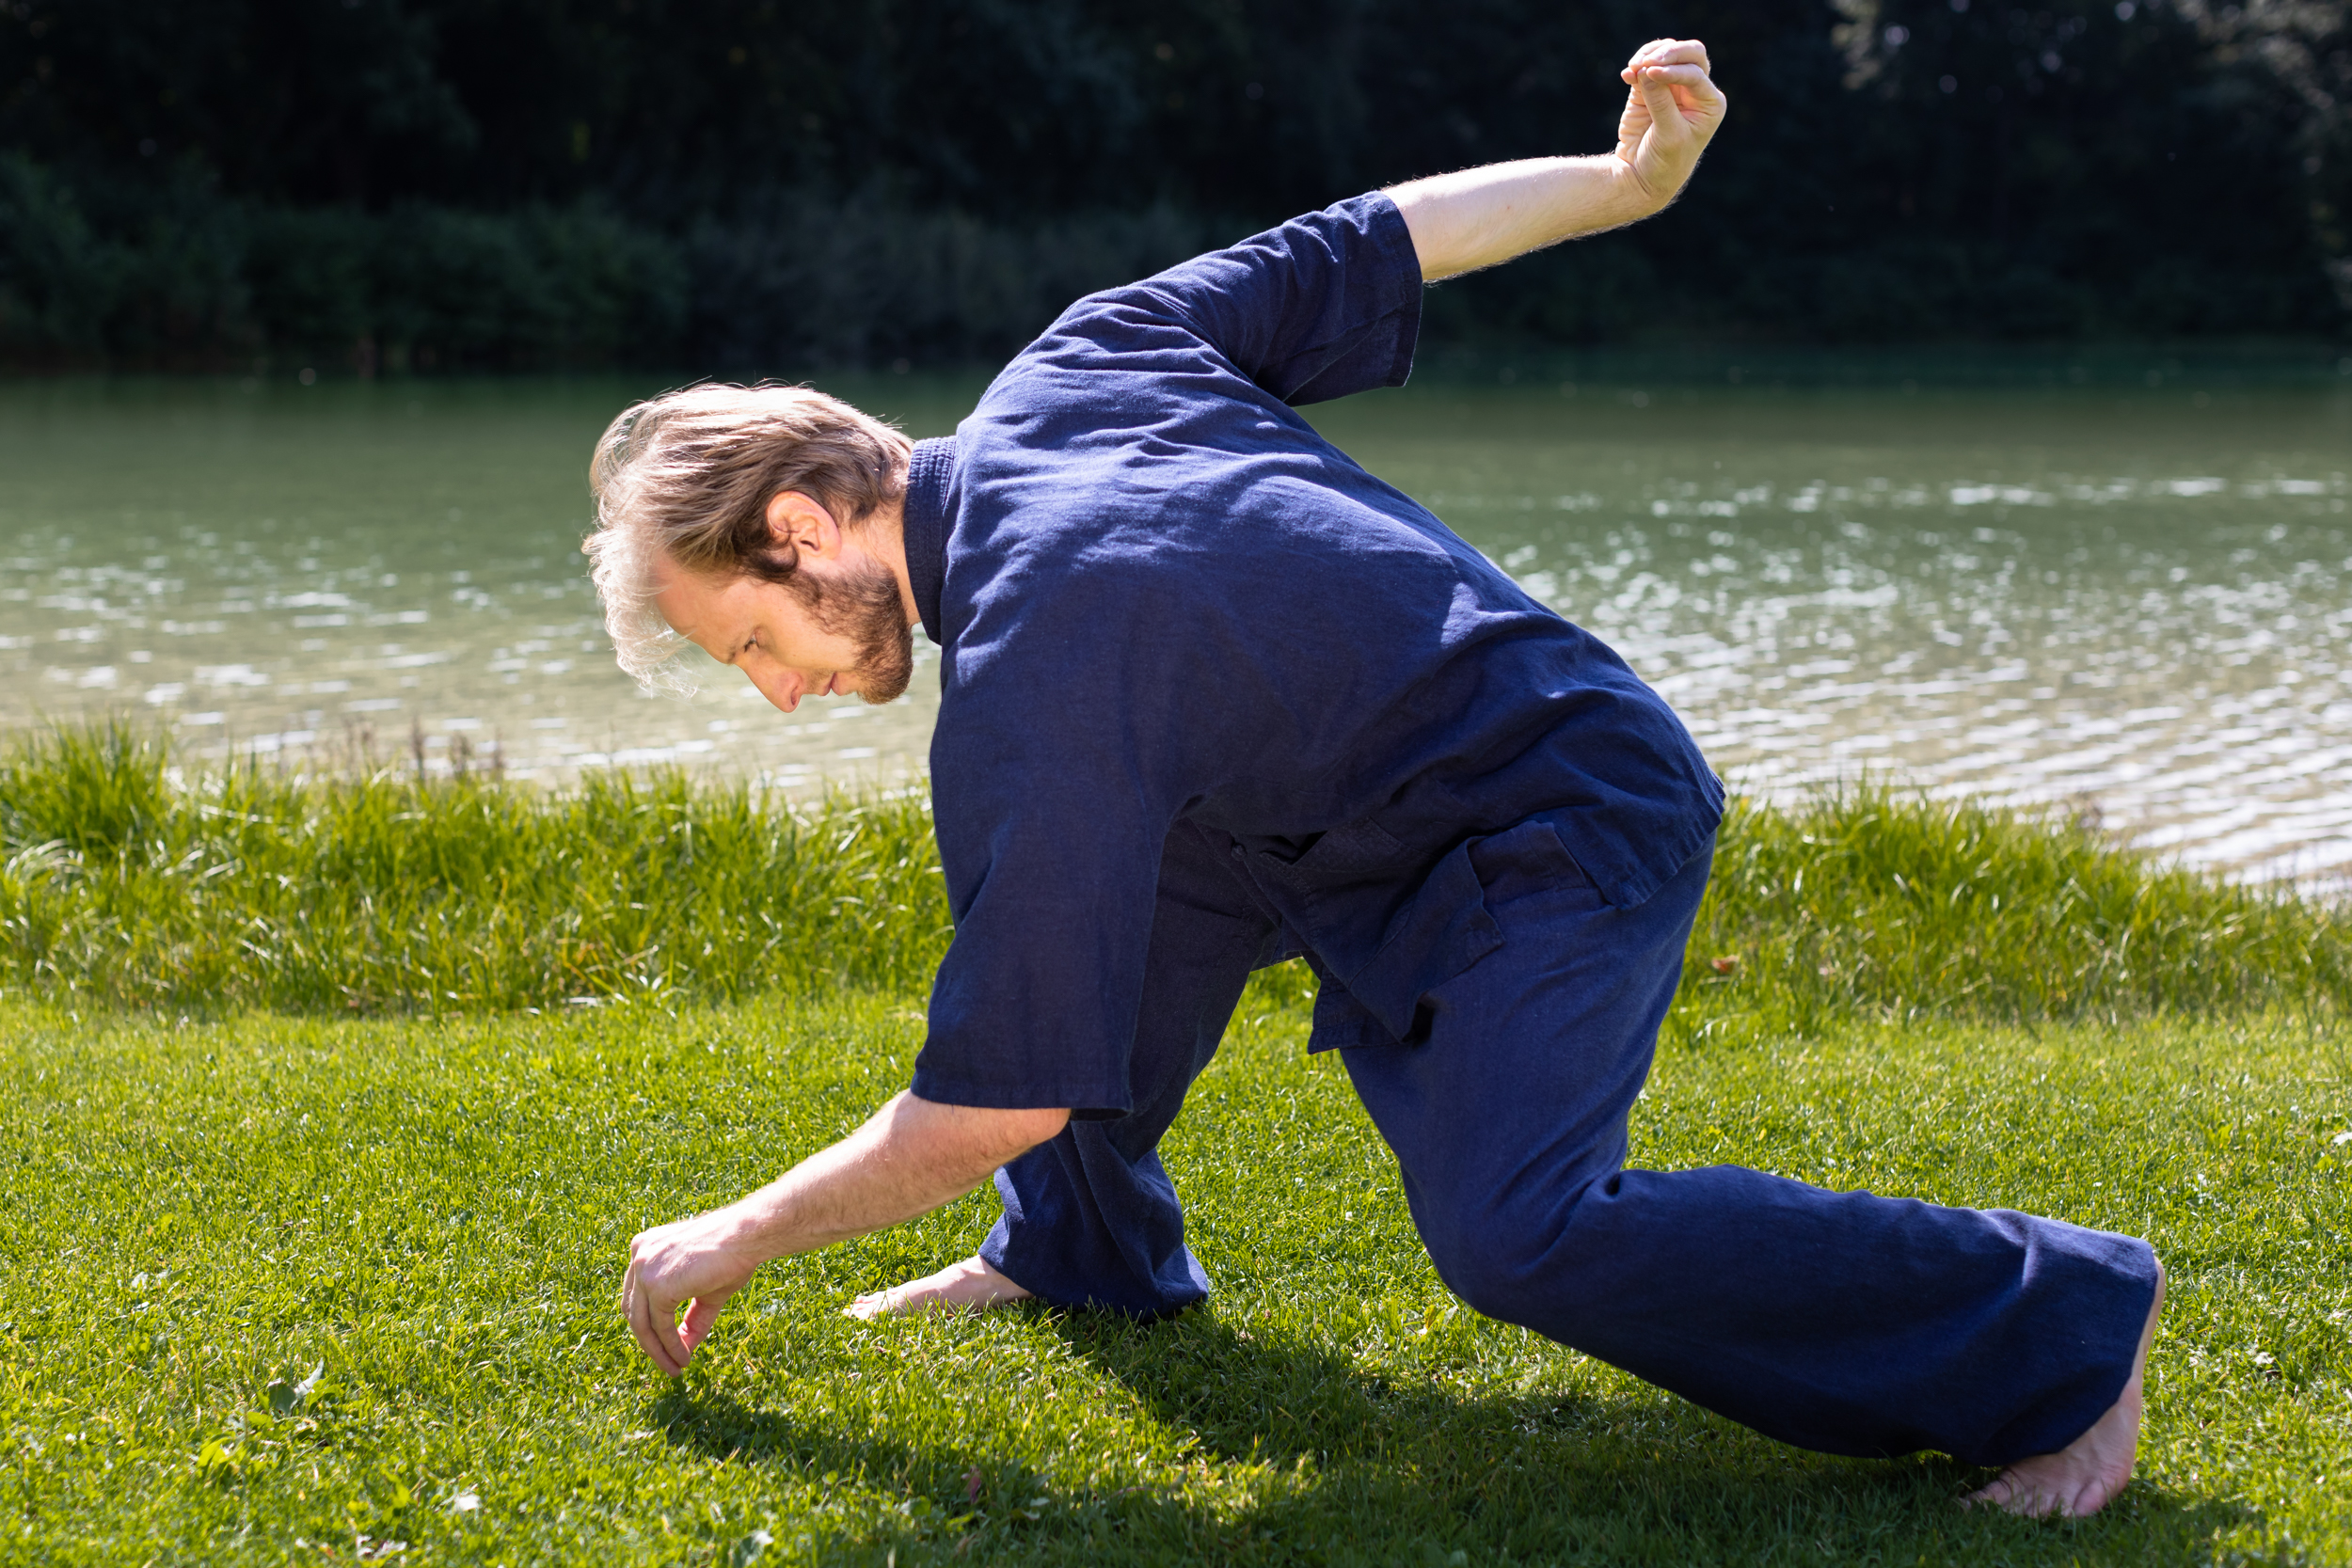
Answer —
123 879
1871 903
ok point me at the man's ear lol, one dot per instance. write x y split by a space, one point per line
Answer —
798 522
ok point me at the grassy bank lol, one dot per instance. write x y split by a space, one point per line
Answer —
315 1224
123 883
417 1225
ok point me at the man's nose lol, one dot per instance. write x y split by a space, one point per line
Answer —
782 690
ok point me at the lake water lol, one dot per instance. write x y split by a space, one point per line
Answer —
2130 598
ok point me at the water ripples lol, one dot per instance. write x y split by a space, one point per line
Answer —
2133 610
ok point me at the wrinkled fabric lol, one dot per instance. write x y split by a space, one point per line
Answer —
1843 1321
1162 597
1212 697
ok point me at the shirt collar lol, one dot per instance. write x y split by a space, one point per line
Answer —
929 472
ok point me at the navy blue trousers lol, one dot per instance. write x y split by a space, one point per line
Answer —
1841 1322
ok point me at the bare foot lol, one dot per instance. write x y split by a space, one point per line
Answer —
967 1286
2085 1476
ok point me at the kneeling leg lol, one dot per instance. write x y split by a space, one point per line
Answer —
1090 1218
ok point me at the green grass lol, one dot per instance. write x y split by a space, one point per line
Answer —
125 883
217 1186
381 893
435 1213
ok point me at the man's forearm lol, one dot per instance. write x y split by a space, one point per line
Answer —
909 1158
1481 217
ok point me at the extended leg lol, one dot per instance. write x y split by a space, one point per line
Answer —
1838 1321
2084 1476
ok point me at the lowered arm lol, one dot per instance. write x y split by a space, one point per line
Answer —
910 1157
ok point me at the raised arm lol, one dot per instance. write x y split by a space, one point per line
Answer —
1480 217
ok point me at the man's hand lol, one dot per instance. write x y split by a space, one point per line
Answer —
1671 114
1482 216
696 1263
911 1156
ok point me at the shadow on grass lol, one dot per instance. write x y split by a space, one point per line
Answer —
1326 1465
1247 1398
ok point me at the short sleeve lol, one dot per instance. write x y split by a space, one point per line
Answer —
1323 305
1053 791
1036 1002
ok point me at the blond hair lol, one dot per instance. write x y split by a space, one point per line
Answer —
686 478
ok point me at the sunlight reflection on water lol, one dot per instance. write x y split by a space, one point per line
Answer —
2132 605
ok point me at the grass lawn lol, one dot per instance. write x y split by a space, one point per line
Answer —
321 1165
285 1290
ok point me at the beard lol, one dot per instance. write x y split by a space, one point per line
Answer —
862 604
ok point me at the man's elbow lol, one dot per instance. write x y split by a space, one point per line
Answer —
993 1138
1022 1130
987 1135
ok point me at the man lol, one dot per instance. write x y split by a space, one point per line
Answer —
1214 697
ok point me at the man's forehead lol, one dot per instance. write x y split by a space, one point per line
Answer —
695 607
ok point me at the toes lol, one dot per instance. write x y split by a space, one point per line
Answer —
2053 1495
2031 1502
2093 1496
2012 1494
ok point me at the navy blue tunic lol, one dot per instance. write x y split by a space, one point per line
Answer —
1164 598
1212 694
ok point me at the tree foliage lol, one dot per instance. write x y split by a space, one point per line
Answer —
745 184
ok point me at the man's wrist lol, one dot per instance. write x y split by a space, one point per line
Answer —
745 1228
1634 200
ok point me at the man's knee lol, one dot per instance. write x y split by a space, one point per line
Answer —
1516 1262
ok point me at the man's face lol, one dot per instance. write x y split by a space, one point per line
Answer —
836 627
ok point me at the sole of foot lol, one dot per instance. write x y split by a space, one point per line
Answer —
966 1287
2086 1474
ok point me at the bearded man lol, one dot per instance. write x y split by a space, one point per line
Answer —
1214 697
